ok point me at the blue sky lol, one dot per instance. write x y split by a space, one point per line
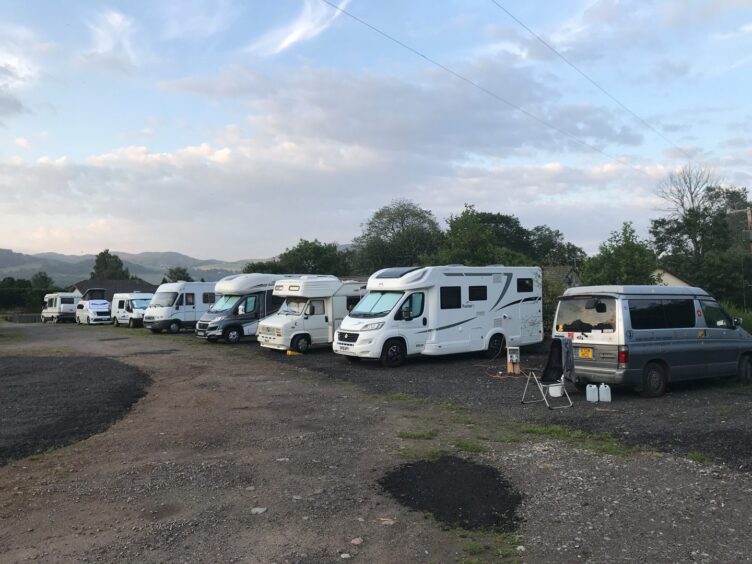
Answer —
232 129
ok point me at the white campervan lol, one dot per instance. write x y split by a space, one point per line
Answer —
128 309
436 310
60 307
178 304
314 307
246 298
93 308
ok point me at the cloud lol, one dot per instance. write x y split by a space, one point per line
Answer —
197 18
314 18
22 143
112 42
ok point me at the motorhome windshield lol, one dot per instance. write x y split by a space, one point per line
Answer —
293 306
140 303
376 304
226 302
586 314
163 299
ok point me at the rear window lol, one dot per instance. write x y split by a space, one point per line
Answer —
662 314
585 315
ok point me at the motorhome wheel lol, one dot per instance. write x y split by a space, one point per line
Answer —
654 380
495 346
300 343
232 335
88 320
393 354
174 327
115 322
131 325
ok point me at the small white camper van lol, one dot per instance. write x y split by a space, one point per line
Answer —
246 298
438 310
60 307
178 304
93 308
313 309
128 309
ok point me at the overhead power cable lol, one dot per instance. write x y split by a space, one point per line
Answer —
591 81
485 90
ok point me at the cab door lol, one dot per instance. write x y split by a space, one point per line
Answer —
317 322
721 349
412 322
120 314
248 313
190 307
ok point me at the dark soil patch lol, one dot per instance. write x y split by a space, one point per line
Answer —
113 339
49 402
457 492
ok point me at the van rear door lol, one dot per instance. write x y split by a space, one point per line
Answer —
591 323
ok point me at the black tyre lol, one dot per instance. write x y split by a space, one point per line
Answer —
131 325
744 374
394 353
78 321
174 327
156 331
88 320
300 343
232 335
495 346
115 322
654 380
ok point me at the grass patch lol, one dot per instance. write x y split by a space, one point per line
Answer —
602 443
461 418
421 453
473 548
451 406
399 396
418 435
701 457
467 445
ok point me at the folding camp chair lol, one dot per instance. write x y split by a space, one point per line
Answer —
550 383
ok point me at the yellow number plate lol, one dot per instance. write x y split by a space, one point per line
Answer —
585 352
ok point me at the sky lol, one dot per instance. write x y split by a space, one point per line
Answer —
231 129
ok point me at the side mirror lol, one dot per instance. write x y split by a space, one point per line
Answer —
241 310
406 313
738 321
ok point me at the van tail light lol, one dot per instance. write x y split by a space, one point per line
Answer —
623 357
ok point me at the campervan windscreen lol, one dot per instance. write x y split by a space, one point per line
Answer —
293 306
376 304
96 295
586 314
140 303
226 302
163 299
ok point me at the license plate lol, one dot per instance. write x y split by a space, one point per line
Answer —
200 333
343 348
585 352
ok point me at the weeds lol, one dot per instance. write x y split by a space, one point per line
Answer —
418 435
469 446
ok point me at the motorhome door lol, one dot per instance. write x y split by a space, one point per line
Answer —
412 320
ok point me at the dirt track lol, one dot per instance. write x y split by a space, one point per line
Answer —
234 456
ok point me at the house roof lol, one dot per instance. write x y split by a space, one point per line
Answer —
112 287
561 274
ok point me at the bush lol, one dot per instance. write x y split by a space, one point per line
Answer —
735 311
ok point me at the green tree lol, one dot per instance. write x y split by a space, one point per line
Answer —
109 267
42 281
307 257
398 234
178 273
623 259
268 266
549 248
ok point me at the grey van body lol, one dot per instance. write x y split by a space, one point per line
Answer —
647 336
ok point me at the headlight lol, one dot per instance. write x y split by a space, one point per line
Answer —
218 319
372 326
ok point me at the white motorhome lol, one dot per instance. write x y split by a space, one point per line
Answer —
313 309
436 310
246 298
176 305
128 309
93 308
60 307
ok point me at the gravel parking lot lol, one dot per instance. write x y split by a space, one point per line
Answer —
238 454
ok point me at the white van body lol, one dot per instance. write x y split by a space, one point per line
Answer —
313 309
246 298
437 310
646 337
92 308
128 309
60 307
176 305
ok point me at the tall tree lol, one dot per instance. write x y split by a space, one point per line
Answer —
397 235
109 267
42 281
307 257
178 273
623 259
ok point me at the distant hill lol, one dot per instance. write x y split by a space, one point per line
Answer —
150 266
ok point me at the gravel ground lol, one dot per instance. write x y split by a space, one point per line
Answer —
51 402
238 455
709 416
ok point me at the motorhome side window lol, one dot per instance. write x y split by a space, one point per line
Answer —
524 285
179 301
478 293
208 298
190 299
714 315
316 307
662 314
413 304
121 304
451 297
66 300
250 304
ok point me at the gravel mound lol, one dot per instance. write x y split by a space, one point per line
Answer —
49 402
457 492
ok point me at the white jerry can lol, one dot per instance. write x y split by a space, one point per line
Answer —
591 392
604 392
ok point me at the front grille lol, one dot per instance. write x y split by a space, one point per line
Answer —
102 313
268 330
203 325
347 336
148 318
